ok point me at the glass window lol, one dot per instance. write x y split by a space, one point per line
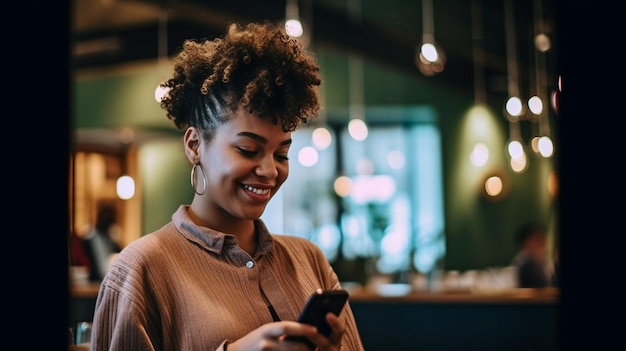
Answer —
389 215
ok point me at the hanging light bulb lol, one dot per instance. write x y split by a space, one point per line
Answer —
516 152
479 155
545 146
429 52
356 126
308 156
321 138
161 90
294 27
542 44
357 129
493 186
125 187
535 105
514 108
429 58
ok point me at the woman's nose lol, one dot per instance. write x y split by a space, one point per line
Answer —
267 168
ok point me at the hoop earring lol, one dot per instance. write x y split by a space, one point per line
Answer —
193 178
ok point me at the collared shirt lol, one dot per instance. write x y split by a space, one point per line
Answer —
187 287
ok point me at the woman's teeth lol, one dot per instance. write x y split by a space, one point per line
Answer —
256 190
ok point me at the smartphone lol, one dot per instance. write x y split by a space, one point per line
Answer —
317 306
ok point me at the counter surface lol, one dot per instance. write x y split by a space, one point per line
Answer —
550 295
84 290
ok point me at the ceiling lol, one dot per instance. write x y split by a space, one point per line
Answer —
113 32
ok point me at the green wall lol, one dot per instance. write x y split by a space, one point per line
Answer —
164 169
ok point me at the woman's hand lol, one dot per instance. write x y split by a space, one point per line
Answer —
271 336
333 341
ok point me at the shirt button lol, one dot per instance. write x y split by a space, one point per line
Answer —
249 264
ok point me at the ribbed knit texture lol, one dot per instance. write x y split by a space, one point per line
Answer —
185 287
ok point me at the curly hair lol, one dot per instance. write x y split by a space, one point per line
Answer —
256 66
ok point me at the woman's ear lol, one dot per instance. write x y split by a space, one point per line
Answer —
192 145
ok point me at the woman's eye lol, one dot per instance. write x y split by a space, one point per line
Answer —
247 153
282 158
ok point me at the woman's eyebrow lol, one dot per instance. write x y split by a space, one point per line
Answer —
262 139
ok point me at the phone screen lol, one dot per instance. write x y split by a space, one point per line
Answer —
316 308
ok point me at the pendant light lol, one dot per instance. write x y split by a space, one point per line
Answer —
514 109
295 25
162 55
429 57
356 125
480 152
542 144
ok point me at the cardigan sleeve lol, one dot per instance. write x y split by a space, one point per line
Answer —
120 323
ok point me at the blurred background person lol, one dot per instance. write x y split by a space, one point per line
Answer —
100 243
535 269
77 255
79 261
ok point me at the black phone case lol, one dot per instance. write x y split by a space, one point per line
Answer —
316 308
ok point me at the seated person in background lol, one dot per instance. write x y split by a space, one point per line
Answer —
534 268
77 252
100 244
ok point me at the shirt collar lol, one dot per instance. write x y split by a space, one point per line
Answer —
215 241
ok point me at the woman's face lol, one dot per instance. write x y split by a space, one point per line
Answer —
245 164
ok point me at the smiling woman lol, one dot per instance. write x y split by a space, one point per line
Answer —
238 99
